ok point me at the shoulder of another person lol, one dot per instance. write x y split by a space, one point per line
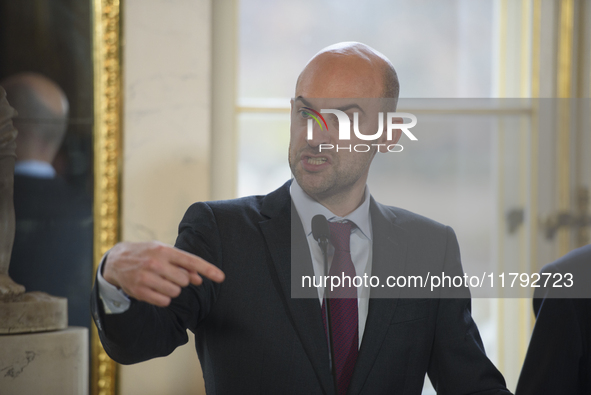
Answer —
578 260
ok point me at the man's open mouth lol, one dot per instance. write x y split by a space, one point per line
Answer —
316 161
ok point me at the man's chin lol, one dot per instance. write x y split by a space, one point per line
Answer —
312 183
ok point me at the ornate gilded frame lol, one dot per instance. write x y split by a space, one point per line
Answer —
107 162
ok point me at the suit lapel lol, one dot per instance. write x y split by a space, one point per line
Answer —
305 314
388 259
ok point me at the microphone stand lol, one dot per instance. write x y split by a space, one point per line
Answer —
323 242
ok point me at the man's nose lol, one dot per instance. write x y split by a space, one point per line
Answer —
320 135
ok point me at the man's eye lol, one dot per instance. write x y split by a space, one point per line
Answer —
305 114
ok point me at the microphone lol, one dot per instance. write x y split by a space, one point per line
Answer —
321 233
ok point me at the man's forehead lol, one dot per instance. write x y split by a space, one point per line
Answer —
341 77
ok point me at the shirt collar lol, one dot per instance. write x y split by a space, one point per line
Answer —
307 208
34 168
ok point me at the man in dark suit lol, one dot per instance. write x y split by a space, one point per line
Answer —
252 336
558 360
52 249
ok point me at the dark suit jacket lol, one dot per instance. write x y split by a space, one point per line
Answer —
52 249
252 337
558 360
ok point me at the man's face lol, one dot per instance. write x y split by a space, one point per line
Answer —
330 82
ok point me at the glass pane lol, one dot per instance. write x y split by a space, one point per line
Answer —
264 140
440 48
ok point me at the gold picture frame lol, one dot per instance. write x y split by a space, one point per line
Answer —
107 163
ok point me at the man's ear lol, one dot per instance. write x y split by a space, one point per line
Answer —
396 134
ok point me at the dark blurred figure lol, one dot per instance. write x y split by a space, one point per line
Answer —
53 242
558 360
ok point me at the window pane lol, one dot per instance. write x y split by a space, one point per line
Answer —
263 166
440 48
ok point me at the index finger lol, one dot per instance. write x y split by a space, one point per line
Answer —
195 264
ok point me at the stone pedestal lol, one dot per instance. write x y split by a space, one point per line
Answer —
45 363
33 312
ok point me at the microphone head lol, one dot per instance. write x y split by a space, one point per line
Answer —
320 229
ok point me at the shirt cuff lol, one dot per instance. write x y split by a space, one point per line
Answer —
115 301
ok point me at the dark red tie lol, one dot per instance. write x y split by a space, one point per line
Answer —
343 307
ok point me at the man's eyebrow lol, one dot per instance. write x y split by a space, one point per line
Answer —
306 102
343 108
350 106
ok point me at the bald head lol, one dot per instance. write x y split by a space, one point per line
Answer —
42 116
348 69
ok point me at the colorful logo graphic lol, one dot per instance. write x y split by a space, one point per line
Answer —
309 111
393 120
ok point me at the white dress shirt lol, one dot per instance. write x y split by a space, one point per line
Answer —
116 301
34 168
360 242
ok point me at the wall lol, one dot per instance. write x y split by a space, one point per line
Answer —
166 149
